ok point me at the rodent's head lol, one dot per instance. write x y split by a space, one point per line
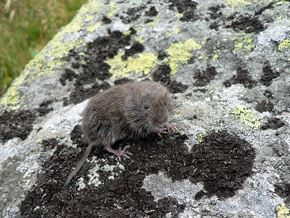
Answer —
148 105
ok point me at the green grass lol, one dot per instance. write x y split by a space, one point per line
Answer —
26 26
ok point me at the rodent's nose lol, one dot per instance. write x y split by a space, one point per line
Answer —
160 120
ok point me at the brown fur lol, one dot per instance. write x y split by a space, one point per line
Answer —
120 112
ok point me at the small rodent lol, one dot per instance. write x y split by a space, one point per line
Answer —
134 109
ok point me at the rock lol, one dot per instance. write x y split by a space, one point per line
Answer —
227 64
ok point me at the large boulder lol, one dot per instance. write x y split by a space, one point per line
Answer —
227 63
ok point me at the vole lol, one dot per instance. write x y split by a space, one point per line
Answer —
134 109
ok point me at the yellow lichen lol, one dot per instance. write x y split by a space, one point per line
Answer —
137 29
179 53
94 27
113 9
126 33
93 6
153 23
282 211
139 39
222 103
215 57
244 44
174 32
236 3
279 3
200 136
89 18
246 116
279 18
48 60
140 63
284 44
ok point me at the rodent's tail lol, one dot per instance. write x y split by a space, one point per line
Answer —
79 165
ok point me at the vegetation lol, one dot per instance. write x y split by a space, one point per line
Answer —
26 27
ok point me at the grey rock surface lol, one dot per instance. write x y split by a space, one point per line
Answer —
228 65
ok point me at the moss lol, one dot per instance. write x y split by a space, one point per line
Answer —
246 116
179 53
284 44
244 44
140 63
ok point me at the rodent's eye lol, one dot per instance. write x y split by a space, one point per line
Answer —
166 103
146 106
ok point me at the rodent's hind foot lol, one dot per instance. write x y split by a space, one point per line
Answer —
120 153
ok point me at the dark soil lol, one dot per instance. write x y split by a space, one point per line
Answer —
242 77
16 124
85 85
137 47
121 197
204 78
222 161
106 20
152 12
187 7
132 14
273 123
162 75
236 21
283 190
247 24
264 106
20 123
217 16
84 82
268 75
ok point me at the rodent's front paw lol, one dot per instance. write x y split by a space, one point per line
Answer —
160 130
170 126
166 128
